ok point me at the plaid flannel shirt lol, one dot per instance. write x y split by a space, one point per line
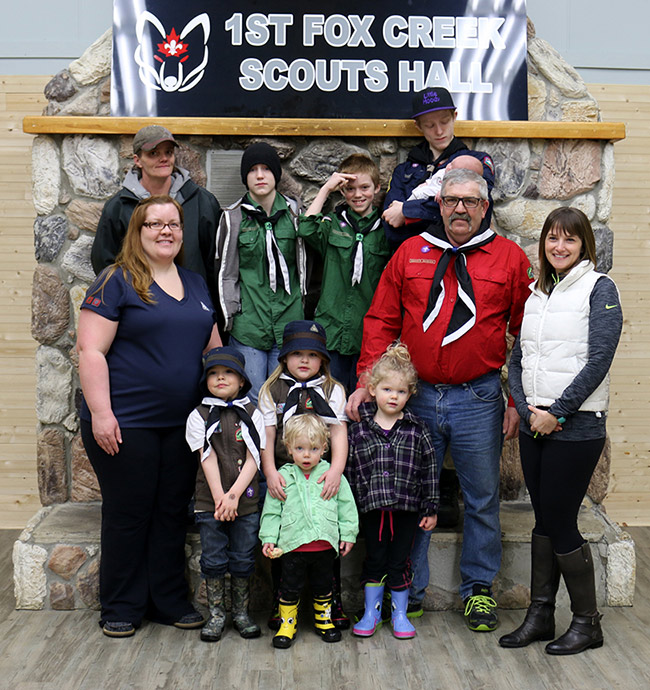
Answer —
395 471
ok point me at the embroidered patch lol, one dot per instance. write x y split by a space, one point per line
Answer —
488 162
309 404
238 435
279 408
530 272
314 328
422 261
426 249
250 492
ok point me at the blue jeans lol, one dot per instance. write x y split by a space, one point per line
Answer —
344 369
468 418
228 546
260 364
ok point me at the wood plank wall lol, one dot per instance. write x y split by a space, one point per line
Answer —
629 498
19 96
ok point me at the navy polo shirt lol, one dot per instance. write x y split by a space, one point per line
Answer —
154 362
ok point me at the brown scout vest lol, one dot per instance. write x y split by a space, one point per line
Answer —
230 448
279 391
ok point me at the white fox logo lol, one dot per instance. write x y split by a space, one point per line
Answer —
172 46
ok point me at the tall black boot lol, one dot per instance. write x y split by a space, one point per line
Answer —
577 569
539 623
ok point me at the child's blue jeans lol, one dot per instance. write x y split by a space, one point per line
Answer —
228 546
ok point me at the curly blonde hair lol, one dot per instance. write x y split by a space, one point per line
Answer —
396 360
308 425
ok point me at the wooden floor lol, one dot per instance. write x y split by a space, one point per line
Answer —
66 651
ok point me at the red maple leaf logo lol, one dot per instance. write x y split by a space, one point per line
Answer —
173 46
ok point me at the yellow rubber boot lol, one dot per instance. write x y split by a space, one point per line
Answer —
323 619
288 625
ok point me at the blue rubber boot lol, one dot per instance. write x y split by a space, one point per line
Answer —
402 628
371 621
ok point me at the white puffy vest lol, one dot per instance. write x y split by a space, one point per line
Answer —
555 340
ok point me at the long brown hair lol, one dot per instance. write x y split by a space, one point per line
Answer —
131 257
570 221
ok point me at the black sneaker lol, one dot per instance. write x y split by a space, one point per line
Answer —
414 609
118 629
190 621
480 610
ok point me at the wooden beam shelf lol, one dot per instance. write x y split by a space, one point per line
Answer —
283 127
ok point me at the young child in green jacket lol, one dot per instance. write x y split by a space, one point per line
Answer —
354 248
306 530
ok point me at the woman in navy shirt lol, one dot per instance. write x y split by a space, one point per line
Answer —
143 327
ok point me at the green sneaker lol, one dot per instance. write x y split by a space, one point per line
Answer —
414 609
480 610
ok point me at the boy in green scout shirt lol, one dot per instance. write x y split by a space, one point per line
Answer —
354 249
260 265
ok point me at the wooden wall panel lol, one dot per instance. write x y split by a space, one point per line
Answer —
628 500
19 96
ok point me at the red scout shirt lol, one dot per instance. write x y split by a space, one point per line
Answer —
500 273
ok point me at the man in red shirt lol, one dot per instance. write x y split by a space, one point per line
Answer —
450 294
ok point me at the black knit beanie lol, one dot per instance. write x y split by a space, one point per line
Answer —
263 153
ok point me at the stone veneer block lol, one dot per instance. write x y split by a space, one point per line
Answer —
53 385
91 165
84 481
30 581
88 585
621 573
66 560
319 159
85 214
46 175
597 490
77 259
51 467
61 596
552 66
50 306
95 63
50 233
569 168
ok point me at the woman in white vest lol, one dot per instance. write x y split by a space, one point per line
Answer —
559 381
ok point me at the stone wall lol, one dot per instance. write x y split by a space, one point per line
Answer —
74 175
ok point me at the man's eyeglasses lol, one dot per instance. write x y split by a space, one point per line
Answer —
159 225
468 201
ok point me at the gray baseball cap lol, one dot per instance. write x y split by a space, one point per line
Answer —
150 136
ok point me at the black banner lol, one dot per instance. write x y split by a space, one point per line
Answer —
274 58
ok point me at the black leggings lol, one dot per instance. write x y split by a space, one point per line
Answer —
557 475
389 537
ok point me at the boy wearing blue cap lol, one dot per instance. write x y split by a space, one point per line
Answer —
228 432
434 112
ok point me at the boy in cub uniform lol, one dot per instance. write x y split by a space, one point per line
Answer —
355 250
227 431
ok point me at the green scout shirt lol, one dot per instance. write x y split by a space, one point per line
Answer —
342 306
264 313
